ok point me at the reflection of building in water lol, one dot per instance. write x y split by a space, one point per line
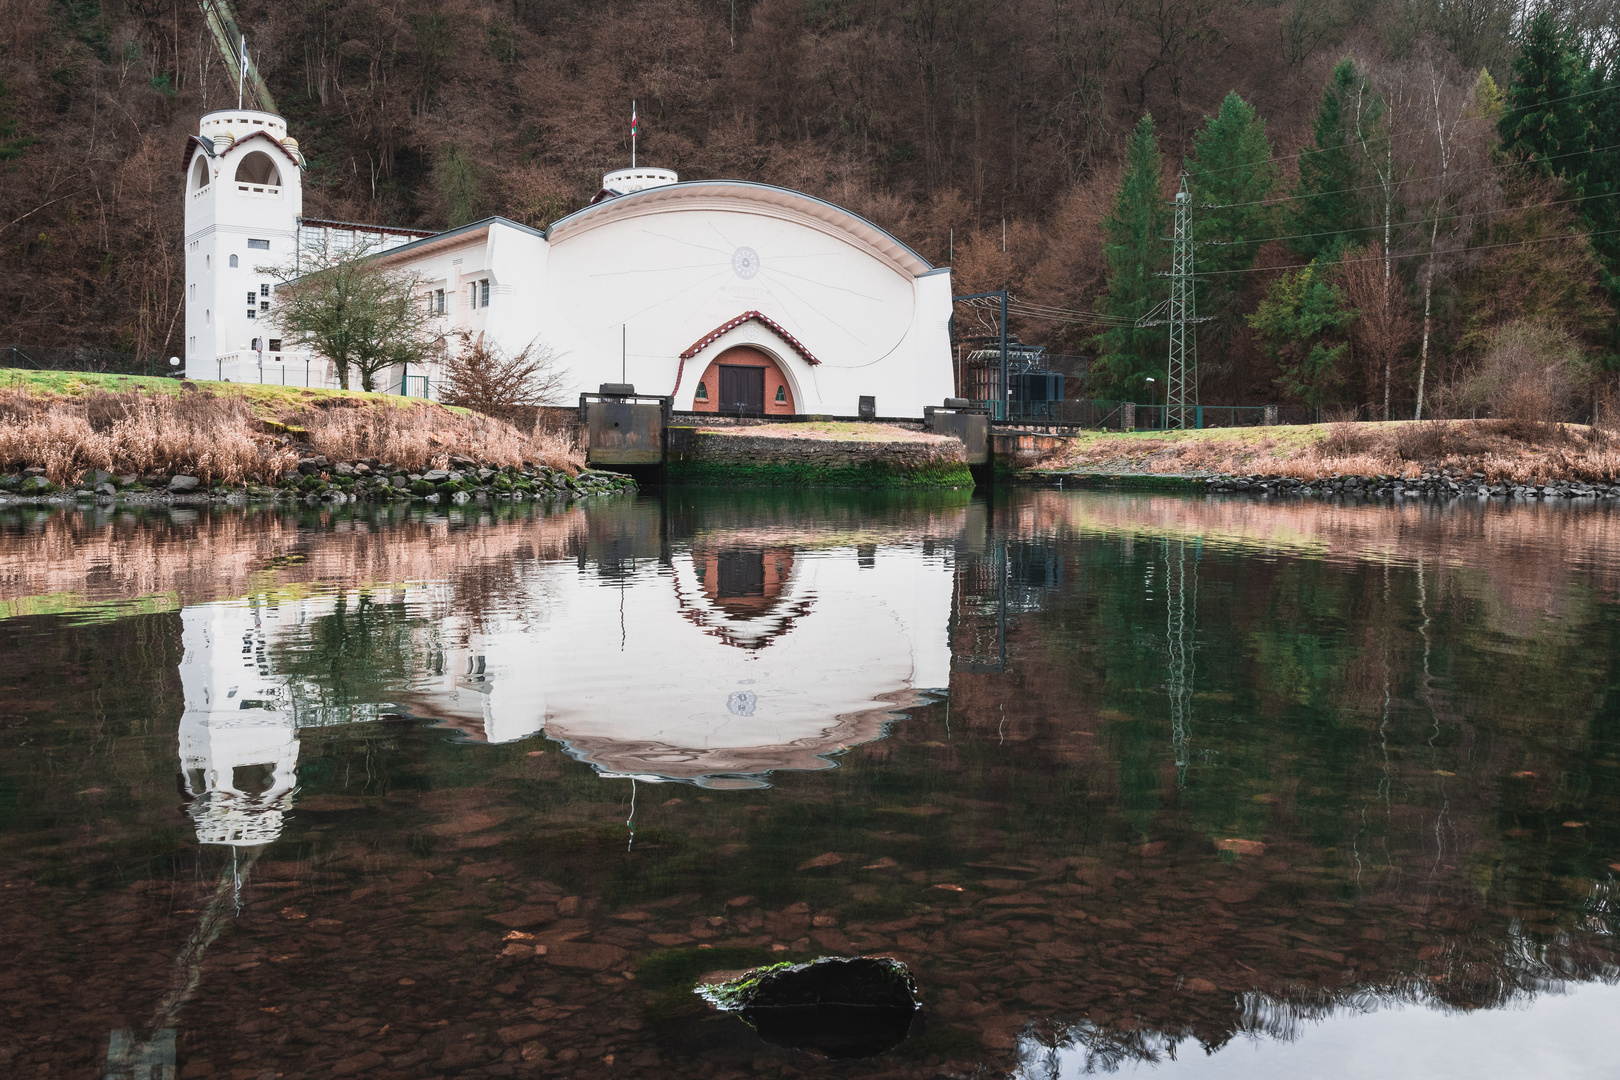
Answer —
733 661
248 694
714 666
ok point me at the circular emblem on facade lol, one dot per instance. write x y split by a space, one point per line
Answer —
745 262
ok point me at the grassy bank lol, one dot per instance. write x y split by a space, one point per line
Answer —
1503 451
69 422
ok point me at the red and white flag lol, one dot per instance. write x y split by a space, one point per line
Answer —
632 120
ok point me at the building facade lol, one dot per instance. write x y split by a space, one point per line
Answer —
728 296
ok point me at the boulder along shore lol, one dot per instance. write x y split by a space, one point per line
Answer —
318 480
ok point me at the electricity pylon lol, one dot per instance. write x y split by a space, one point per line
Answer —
1181 397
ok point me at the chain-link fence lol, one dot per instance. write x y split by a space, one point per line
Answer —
83 358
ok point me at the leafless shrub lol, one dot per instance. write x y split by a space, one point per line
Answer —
1344 439
1531 374
481 375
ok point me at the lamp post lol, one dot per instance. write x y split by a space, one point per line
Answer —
1153 393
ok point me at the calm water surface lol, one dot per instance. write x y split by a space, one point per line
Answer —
1146 784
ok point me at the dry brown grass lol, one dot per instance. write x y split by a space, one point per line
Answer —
1516 451
215 438
426 436
220 437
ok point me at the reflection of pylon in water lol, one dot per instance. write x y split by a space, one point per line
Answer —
1181 604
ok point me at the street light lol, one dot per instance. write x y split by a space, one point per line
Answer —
1153 394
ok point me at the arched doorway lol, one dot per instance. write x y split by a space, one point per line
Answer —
744 381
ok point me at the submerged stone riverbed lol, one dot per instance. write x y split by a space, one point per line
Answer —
1148 783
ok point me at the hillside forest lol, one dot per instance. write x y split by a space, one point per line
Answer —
1398 204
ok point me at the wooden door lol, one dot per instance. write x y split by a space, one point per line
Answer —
742 390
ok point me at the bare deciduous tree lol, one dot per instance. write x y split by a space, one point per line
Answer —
354 309
481 375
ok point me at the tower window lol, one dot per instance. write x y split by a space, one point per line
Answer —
200 174
257 168
233 262
262 245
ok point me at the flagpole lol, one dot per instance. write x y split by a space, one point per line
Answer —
241 72
632 133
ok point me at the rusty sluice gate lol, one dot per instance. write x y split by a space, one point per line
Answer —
623 427
970 425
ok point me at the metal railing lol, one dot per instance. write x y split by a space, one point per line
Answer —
1112 414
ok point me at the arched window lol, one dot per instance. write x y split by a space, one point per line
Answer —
233 262
258 168
702 392
200 175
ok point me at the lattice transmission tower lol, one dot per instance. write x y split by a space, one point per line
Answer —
1181 396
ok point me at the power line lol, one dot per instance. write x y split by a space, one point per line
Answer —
1397 183
1404 224
1415 254
1416 131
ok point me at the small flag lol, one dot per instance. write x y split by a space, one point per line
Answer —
632 120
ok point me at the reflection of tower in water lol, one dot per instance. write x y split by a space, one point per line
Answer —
239 736
1181 627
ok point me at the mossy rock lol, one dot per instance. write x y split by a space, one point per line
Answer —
423 487
842 1007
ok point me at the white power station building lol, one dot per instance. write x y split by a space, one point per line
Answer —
729 296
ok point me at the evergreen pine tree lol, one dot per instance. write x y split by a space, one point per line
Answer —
1230 175
1545 122
1326 208
1135 251
1602 205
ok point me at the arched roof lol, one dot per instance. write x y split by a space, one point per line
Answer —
745 196
195 143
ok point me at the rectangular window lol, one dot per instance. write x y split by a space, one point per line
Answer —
472 295
252 313
264 305
253 298
262 245
275 344
264 290
484 288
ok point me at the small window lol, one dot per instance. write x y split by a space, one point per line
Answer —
208 316
484 288
208 262
702 391
264 305
256 345
233 262
781 394
438 300
252 313
264 290
472 294
275 344
253 298
262 245
200 172
257 168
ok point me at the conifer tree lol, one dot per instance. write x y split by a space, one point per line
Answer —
1135 252
1545 122
1326 208
1230 175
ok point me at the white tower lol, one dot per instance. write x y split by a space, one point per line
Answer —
243 201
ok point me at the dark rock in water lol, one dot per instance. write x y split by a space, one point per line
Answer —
844 1008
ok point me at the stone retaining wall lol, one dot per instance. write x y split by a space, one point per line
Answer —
766 459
